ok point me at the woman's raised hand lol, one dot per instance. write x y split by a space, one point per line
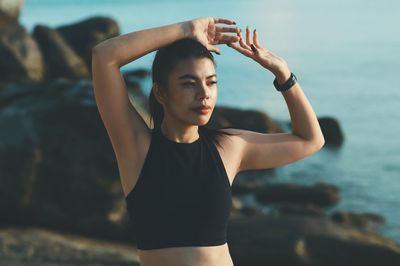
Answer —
254 50
206 32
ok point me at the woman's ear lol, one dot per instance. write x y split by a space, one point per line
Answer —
158 93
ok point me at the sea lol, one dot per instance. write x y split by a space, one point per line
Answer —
345 55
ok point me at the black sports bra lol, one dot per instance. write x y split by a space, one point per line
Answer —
183 196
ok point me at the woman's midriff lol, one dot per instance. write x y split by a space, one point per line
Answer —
187 256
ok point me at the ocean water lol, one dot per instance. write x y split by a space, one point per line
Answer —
345 54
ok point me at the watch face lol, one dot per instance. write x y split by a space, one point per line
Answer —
287 85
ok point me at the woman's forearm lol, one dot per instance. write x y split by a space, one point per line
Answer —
303 118
125 48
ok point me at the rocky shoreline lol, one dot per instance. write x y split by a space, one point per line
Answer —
38 246
60 196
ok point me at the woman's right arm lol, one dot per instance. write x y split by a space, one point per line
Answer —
125 48
128 132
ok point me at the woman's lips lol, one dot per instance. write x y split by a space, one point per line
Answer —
202 110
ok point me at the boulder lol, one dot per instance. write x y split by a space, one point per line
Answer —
332 131
83 35
285 208
320 194
11 8
245 119
295 240
61 60
20 56
56 156
357 219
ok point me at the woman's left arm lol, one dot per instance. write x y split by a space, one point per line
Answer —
303 118
263 151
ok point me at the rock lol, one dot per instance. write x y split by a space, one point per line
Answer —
134 80
56 156
250 211
306 240
6 19
285 208
357 219
20 57
137 74
332 131
67 50
61 60
243 186
83 35
11 8
38 246
241 210
245 119
319 194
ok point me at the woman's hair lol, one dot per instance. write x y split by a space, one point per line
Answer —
165 60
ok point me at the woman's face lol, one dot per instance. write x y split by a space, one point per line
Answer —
191 84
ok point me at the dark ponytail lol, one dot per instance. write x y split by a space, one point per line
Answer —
165 60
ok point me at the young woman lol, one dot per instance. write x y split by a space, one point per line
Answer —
177 176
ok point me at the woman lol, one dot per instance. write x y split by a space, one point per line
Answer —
176 181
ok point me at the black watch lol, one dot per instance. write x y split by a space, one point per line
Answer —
287 85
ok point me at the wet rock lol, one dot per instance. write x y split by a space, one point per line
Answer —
20 56
246 119
62 52
11 8
320 194
357 219
306 240
137 73
244 186
61 60
83 35
285 208
57 158
332 131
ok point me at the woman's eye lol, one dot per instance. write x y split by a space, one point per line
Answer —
192 83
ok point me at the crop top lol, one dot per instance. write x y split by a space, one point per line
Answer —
182 197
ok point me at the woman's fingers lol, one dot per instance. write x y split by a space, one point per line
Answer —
218 37
226 29
241 42
242 50
248 42
245 47
224 38
255 42
255 39
223 20
215 34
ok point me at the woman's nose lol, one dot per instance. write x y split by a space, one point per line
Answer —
204 91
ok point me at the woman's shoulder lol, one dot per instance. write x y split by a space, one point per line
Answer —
230 137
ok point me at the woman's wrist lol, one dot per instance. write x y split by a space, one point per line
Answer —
187 28
282 75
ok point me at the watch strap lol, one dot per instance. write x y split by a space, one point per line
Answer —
287 85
